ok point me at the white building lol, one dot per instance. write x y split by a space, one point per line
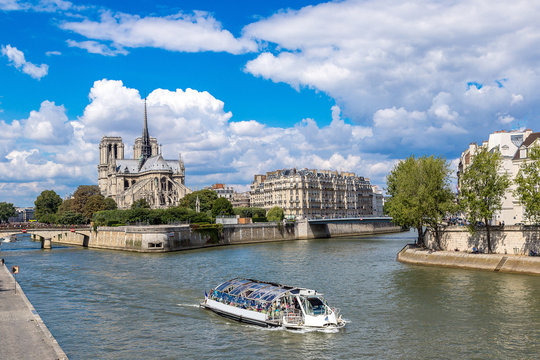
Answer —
313 193
513 146
378 201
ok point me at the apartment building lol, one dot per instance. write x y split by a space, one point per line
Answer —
311 193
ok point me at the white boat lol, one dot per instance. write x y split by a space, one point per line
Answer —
272 305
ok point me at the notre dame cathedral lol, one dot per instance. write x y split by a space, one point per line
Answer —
147 176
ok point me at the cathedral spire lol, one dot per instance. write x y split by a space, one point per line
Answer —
146 150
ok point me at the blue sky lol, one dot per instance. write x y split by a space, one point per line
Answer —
245 87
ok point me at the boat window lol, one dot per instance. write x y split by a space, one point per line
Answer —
315 306
223 286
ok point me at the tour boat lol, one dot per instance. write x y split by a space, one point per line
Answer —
272 305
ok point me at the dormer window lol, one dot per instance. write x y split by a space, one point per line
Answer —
523 152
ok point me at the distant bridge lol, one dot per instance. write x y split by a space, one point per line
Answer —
48 234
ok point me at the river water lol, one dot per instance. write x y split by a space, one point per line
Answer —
115 305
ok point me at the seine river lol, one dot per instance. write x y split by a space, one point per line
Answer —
116 305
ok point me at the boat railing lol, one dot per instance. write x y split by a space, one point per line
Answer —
293 316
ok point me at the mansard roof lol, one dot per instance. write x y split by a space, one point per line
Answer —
528 141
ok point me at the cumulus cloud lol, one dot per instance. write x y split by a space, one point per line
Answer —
16 58
453 65
49 125
215 148
181 32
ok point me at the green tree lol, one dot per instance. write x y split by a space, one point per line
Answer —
94 204
482 188
275 214
110 204
81 196
7 210
140 204
222 207
420 194
67 205
206 199
70 217
528 185
47 203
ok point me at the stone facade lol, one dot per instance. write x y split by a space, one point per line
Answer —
313 193
147 176
513 146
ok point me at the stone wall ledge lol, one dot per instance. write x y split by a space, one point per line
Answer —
455 259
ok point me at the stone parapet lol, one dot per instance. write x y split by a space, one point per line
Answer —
514 240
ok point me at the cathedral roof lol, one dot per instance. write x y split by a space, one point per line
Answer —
154 163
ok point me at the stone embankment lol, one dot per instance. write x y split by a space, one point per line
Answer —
165 238
22 332
455 259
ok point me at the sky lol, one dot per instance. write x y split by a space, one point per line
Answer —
243 87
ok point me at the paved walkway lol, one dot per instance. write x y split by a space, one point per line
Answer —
23 335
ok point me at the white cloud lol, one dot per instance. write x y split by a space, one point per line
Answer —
371 56
95 47
181 32
39 6
16 58
10 5
49 125
53 53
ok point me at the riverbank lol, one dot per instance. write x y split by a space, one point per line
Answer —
23 333
167 238
521 264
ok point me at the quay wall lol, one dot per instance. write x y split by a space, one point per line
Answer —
259 232
165 238
514 240
490 262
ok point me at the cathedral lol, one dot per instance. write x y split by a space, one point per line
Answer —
147 176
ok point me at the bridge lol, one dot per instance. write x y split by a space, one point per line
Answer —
48 234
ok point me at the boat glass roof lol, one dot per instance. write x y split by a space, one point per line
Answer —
255 290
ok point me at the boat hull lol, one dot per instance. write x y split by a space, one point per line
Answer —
240 315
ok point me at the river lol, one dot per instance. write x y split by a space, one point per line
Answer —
103 304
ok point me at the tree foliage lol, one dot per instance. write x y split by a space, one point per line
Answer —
140 204
222 207
275 214
7 210
148 216
250 212
206 199
81 196
47 203
528 186
420 194
70 217
482 189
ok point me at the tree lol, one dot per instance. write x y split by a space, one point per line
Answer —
222 207
528 186
206 199
7 210
70 217
47 203
81 196
420 194
140 204
275 214
110 204
93 204
482 188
